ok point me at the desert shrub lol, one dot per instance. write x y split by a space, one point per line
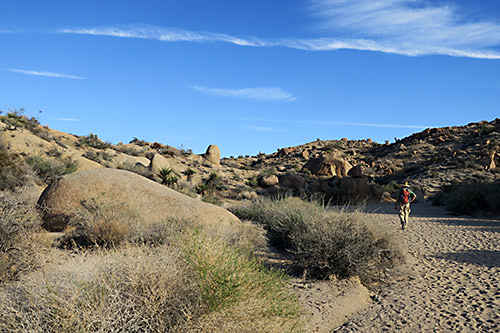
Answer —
97 223
237 292
189 173
54 152
18 223
17 118
470 198
167 177
196 285
129 150
130 290
97 156
92 140
48 169
100 223
13 171
325 241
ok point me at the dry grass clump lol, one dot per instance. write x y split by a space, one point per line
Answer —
326 241
101 224
19 249
195 285
130 290
470 198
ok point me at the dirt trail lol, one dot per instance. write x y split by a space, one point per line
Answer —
453 281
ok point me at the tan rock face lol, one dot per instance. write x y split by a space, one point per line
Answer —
158 162
213 154
152 201
328 166
268 181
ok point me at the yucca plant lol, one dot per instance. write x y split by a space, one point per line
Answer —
167 176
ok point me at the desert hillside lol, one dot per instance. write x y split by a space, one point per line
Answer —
334 170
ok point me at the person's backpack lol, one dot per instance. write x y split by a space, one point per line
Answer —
405 196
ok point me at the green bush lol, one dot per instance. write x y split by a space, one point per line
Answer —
48 169
92 140
470 198
326 241
167 177
189 173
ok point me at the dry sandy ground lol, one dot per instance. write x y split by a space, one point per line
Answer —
453 281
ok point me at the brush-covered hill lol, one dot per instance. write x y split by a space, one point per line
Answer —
336 170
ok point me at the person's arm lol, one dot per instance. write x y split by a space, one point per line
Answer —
413 196
397 199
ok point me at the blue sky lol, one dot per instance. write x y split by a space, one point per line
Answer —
250 76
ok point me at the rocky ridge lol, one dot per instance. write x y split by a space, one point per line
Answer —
333 170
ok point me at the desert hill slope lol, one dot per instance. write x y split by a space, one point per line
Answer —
336 170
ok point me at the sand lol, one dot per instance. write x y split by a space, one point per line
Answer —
452 282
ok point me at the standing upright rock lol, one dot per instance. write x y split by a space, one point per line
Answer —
212 154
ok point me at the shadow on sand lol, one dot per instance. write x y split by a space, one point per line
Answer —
479 257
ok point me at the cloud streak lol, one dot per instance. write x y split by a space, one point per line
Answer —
46 74
336 123
261 129
405 27
66 119
259 93
410 27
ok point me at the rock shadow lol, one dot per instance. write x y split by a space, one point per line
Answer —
486 258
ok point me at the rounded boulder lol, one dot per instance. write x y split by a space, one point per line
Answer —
152 201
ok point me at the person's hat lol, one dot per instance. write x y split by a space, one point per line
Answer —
406 184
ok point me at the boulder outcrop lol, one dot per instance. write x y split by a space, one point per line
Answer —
149 199
328 166
212 154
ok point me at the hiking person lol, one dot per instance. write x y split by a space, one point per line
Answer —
404 198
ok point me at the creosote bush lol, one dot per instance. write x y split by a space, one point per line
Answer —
326 241
470 198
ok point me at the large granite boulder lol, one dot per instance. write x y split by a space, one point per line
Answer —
152 201
328 166
212 154
268 181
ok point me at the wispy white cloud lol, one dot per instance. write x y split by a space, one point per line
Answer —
166 35
260 128
411 27
406 27
259 93
336 123
47 74
66 119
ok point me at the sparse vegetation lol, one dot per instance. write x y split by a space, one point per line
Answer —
326 241
93 141
470 198
189 173
16 118
13 171
19 252
48 169
167 177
